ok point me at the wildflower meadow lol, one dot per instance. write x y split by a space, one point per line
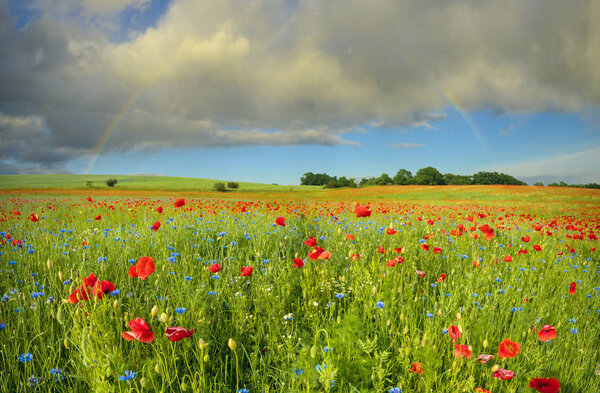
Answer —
150 294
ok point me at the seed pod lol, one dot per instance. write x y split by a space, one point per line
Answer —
206 358
61 276
49 264
157 368
313 351
164 317
154 311
116 304
232 344
60 316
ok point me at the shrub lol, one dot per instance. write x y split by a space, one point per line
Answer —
232 184
111 182
89 184
219 187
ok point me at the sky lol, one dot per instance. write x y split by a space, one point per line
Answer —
264 91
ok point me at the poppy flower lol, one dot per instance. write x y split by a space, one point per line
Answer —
246 271
311 242
139 331
417 368
91 286
454 332
484 358
508 349
314 254
462 350
355 257
325 255
488 232
525 239
381 250
89 199
572 288
508 258
98 217
504 374
545 385
143 268
537 247
33 217
425 246
178 333
442 277
437 250
391 231
102 287
156 226
420 273
362 211
280 221
349 236
523 251
547 333
398 250
159 209
298 263
214 268
179 202
392 263
482 390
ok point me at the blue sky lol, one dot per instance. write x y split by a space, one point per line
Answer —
265 91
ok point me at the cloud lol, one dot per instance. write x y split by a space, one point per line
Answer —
230 73
508 130
403 145
574 168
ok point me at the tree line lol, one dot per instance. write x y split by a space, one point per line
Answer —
424 176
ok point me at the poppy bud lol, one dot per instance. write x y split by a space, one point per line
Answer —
495 368
164 317
206 358
156 282
339 231
60 315
61 276
374 290
49 264
154 311
485 343
231 344
313 351
202 344
116 304
143 382
157 368
458 316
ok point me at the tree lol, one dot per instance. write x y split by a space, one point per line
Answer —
315 179
496 178
89 183
232 185
219 187
451 178
429 176
383 180
403 177
111 182
539 183
366 181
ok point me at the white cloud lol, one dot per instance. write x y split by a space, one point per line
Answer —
403 145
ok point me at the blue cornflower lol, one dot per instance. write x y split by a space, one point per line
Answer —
180 310
57 372
212 293
128 375
298 371
328 349
2 326
572 320
114 293
379 304
320 367
215 277
574 331
429 315
395 390
340 295
25 357
34 381
188 278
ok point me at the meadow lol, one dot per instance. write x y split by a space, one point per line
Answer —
392 289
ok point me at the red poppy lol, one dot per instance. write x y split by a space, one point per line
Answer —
139 331
508 349
156 226
504 374
246 271
143 268
437 250
280 221
214 268
314 254
311 242
381 250
391 231
525 239
482 390
425 246
488 232
523 251
420 273
442 277
508 258
91 286
33 217
298 263
545 385
159 209
355 257
537 248
547 333
179 202
98 217
454 332
178 333
417 368
462 350
484 358
572 288
398 250
101 287
89 199
362 211
349 236
325 255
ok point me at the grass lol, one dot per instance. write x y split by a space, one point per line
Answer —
348 323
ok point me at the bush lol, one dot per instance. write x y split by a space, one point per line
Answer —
232 184
89 184
219 187
111 182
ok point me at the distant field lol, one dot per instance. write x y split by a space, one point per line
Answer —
556 198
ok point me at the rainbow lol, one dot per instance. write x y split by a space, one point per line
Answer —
453 100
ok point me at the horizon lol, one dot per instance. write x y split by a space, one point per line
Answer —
267 91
